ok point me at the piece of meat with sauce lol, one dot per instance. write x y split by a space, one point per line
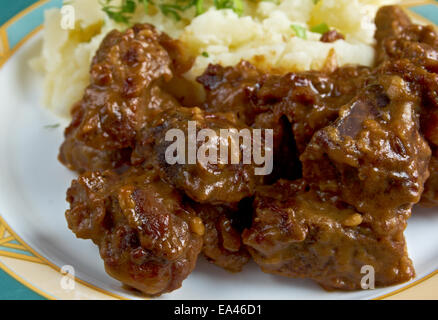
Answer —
297 234
124 94
424 84
374 156
416 47
78 156
227 89
310 100
410 50
222 238
398 38
215 179
148 237
332 36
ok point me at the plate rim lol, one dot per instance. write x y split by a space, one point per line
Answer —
38 258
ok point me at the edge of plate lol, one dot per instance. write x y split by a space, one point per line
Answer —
14 252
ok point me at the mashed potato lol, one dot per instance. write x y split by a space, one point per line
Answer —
262 35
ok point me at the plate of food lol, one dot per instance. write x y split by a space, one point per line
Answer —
220 149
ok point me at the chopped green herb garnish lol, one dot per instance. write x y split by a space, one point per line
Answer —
238 7
273 1
122 13
235 5
300 31
315 1
205 54
199 7
320 28
146 5
52 126
173 8
170 10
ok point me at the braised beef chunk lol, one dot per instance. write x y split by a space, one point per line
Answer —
390 22
417 47
332 36
225 182
310 100
398 38
373 157
123 96
78 156
148 238
222 239
297 234
424 85
227 89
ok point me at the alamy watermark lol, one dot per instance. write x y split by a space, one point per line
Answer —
68 17
68 282
231 146
368 280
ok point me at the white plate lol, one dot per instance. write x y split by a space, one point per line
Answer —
32 202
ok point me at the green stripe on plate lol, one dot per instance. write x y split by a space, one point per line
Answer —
10 289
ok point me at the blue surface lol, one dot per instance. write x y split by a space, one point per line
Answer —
428 11
10 289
